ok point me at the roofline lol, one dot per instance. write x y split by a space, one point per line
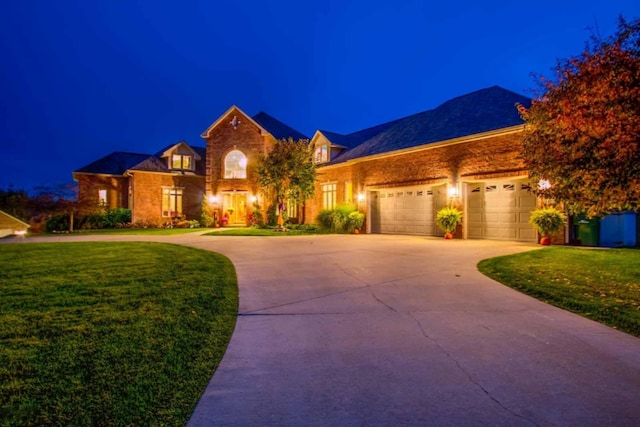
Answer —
165 153
130 172
73 174
206 133
446 142
319 132
16 219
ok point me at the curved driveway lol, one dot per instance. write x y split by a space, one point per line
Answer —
398 330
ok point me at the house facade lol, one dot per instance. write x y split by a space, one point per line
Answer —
464 153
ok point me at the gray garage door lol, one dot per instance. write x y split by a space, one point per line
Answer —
500 210
406 210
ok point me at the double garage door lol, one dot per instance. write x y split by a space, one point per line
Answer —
494 210
500 210
407 210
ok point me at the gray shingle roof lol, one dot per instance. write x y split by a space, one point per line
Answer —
481 111
276 128
115 163
118 162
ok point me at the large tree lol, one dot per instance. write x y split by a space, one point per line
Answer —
287 172
582 132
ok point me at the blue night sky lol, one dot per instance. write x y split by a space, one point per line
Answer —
80 79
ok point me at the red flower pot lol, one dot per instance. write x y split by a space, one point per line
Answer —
448 236
545 241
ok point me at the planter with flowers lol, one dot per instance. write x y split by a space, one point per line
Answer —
447 219
547 221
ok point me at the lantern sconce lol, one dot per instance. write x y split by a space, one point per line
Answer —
453 190
212 199
361 197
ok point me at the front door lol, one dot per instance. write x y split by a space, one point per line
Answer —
234 206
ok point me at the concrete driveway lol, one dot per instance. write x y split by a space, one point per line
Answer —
396 330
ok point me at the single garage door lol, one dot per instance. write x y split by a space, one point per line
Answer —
501 210
407 210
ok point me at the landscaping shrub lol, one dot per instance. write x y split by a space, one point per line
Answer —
57 223
341 219
112 217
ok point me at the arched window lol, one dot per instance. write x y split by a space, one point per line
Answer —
235 165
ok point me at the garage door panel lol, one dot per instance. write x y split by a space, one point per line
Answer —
500 210
407 210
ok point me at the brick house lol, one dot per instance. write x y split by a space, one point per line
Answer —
464 152
173 182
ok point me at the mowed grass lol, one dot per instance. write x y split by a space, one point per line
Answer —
130 231
601 284
110 333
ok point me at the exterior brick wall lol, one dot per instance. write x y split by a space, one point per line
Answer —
117 189
147 202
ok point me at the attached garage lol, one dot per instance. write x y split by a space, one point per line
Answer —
406 210
500 210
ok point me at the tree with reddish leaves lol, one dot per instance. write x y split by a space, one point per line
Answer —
582 132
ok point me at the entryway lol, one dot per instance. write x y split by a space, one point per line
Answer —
234 205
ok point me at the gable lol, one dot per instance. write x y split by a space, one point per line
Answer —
232 116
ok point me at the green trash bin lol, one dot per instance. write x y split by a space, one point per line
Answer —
586 230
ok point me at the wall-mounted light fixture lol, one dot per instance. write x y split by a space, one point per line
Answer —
543 184
254 199
212 199
453 190
361 197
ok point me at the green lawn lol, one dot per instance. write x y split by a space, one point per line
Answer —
252 231
110 333
601 284
132 231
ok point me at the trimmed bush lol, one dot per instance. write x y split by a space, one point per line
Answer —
341 219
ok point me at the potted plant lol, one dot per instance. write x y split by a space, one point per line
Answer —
547 221
447 219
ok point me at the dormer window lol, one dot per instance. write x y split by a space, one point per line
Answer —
235 165
322 154
181 161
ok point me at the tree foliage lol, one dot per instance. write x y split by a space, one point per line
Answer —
582 132
287 172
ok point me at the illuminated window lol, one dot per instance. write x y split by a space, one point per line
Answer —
235 165
102 197
322 154
348 192
171 202
292 209
180 161
329 196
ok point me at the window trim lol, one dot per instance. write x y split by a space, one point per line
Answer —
178 195
329 195
239 168
182 160
103 196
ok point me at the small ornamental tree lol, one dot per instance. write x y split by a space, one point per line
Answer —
582 132
287 173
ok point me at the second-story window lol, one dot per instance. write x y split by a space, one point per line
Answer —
235 165
181 161
322 154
